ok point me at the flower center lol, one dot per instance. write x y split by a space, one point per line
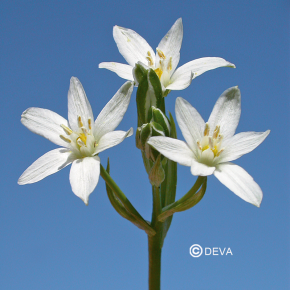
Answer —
210 147
163 68
81 142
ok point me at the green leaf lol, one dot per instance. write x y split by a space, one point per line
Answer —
122 205
189 200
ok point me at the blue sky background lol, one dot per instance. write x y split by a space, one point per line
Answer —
50 239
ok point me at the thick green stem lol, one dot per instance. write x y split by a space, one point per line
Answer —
155 243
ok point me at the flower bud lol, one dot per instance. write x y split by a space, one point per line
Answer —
139 72
149 93
157 116
143 134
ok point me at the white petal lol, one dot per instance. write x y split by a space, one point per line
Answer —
122 70
84 176
239 182
181 82
114 111
112 139
241 144
190 122
199 169
46 124
132 46
47 164
171 43
173 149
78 105
226 113
200 65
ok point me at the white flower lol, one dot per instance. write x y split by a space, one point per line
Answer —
135 48
210 146
82 137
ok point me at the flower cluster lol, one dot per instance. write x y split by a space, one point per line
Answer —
209 148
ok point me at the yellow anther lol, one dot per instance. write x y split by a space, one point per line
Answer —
150 61
159 72
218 154
206 129
96 144
90 123
80 121
216 132
160 53
198 144
149 58
67 130
169 66
83 137
65 139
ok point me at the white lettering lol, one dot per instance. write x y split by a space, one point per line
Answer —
229 251
205 251
221 251
215 251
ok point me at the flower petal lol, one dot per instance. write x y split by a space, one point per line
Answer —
200 169
45 123
132 46
190 122
78 105
226 113
112 139
181 82
47 164
241 144
122 70
84 176
171 43
199 66
173 149
114 111
239 182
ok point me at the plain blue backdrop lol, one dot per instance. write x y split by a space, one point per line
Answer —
50 239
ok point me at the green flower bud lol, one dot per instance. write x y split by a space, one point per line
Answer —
139 72
149 93
143 134
157 116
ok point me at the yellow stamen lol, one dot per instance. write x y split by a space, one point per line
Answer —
160 53
150 61
216 132
80 121
159 72
169 67
149 58
206 130
96 144
67 130
65 139
83 137
90 123
218 154
198 144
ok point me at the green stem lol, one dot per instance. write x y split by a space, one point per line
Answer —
155 243
127 204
